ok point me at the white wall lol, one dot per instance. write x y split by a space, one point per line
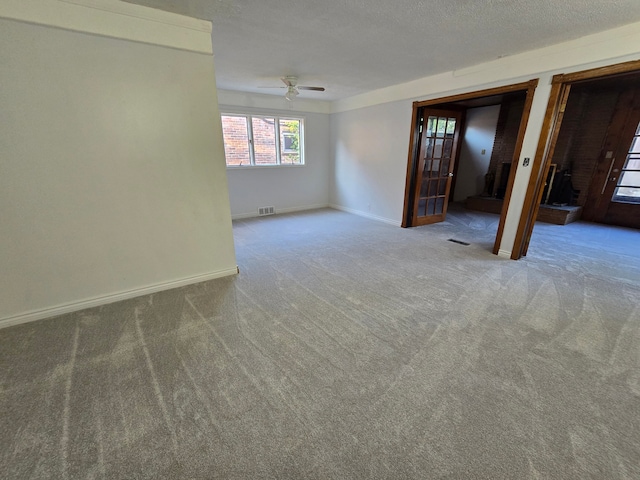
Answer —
478 135
287 188
368 167
371 147
112 181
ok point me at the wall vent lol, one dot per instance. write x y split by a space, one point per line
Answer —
458 241
266 211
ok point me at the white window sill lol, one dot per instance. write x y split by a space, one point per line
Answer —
262 167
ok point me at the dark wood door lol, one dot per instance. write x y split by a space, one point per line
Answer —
440 131
614 194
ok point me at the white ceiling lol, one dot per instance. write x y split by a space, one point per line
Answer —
354 46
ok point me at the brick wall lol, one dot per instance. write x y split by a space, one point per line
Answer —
236 146
506 135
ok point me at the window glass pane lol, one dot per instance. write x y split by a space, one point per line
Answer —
429 152
264 140
633 163
422 207
442 126
627 194
628 189
630 179
290 145
236 140
431 126
437 152
448 145
445 167
424 187
433 188
431 206
451 127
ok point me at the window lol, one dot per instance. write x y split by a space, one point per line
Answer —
628 189
262 140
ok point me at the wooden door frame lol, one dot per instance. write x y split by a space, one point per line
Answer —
560 89
526 87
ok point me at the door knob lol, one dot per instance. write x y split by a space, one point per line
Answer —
451 174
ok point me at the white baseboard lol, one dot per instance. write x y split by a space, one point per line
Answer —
239 216
116 297
360 213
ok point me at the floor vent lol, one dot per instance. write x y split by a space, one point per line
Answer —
458 241
266 210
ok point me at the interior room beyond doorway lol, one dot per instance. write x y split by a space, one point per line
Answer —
488 143
426 200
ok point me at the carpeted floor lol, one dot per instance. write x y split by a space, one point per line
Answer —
346 349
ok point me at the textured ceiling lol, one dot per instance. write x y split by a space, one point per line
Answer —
353 46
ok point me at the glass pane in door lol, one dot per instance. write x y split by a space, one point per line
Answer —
628 188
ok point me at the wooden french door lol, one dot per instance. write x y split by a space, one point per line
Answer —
614 195
439 134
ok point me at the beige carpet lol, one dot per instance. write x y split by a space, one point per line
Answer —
346 349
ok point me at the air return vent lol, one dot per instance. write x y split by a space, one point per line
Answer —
460 242
266 211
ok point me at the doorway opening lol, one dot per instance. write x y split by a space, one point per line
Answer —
590 132
435 147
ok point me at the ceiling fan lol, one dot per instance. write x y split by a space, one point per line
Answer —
293 89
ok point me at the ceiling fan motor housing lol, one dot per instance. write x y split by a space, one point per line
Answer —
292 92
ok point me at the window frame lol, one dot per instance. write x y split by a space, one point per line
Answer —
633 155
279 147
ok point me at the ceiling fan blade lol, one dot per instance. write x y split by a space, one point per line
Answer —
291 84
270 86
316 89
